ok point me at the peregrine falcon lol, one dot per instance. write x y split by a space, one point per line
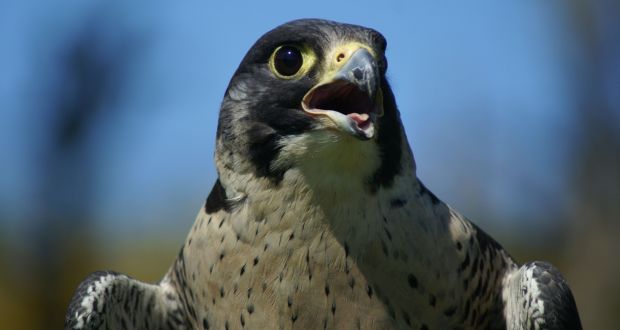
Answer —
318 220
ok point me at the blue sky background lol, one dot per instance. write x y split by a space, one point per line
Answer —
486 92
512 109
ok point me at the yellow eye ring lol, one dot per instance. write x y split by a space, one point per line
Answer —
291 61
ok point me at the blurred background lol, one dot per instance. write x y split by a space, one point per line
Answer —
108 114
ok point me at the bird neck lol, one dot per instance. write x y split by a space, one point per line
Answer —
327 189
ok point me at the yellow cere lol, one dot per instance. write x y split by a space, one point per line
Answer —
339 55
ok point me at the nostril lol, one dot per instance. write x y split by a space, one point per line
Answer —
340 57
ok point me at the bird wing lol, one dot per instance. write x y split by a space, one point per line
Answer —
540 298
109 300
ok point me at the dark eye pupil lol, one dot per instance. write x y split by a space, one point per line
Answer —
288 60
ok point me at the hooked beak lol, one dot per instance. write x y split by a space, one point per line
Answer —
351 96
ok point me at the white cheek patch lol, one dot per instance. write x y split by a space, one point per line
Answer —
329 155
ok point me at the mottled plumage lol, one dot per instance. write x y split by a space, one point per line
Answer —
318 219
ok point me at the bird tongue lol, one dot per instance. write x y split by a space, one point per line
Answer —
361 120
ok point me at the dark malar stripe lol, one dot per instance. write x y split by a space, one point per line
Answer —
389 140
217 199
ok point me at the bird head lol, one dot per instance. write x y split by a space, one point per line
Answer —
312 95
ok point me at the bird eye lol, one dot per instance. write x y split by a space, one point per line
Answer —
287 60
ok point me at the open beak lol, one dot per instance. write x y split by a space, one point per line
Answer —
351 96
